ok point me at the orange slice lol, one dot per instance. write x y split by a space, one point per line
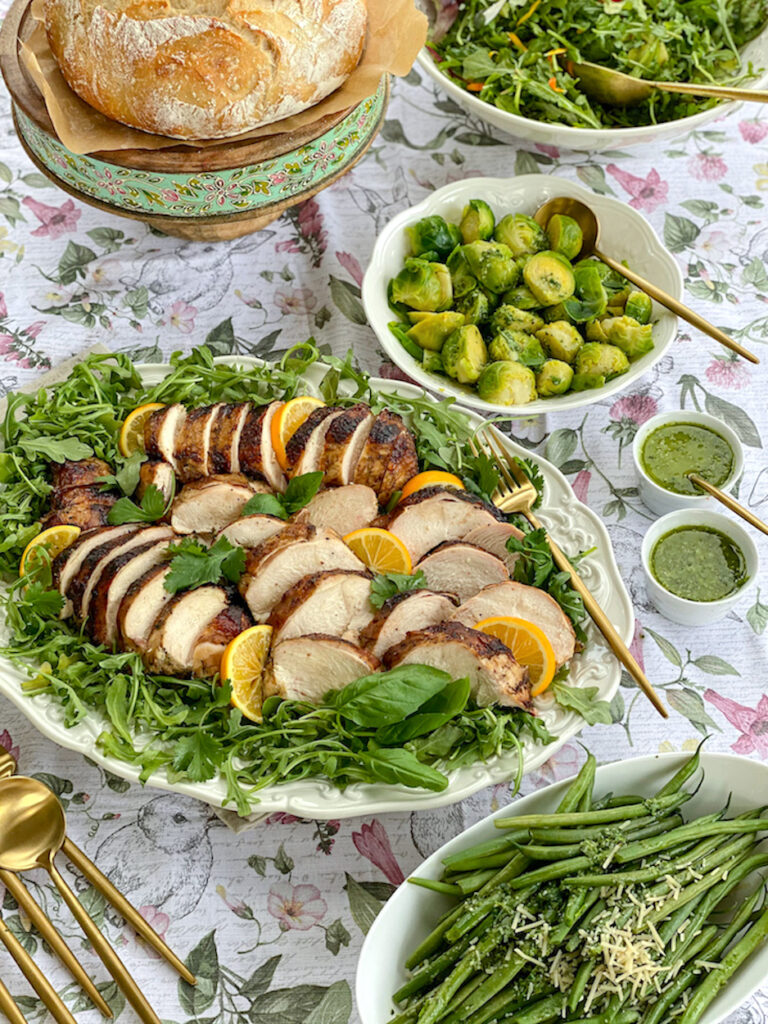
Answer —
529 644
132 431
242 663
55 539
287 421
381 550
430 478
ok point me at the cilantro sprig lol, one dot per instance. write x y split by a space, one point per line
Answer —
299 492
194 565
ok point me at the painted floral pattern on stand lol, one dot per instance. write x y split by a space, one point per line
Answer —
272 919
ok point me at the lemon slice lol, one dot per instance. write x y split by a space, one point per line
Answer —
242 663
132 431
55 540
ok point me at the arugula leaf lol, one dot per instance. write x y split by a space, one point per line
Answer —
193 565
398 766
389 584
299 492
153 507
386 697
535 564
559 587
583 699
433 714
57 449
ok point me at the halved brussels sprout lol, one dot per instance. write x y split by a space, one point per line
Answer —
476 306
561 340
492 264
626 333
422 285
554 378
594 331
477 221
522 297
433 235
590 298
399 332
432 329
600 360
614 284
464 354
511 318
517 346
587 381
462 278
558 312
639 306
550 277
521 234
565 235
507 383
432 361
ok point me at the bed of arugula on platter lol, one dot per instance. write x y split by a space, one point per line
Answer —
409 726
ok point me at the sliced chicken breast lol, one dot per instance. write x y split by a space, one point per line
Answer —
158 474
69 475
82 585
86 507
377 451
337 602
307 667
161 432
403 613
434 515
210 504
493 538
462 569
523 602
305 447
403 464
342 509
250 531
193 443
229 623
344 443
281 561
256 454
114 583
224 453
142 604
66 565
494 674
178 628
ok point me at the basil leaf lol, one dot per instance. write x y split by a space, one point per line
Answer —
387 697
437 711
583 699
66 449
265 505
395 765
300 491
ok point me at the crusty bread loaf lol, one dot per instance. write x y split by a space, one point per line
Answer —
199 69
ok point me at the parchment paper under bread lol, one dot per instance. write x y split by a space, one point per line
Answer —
396 33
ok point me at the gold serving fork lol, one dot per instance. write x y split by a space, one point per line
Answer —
57 944
516 493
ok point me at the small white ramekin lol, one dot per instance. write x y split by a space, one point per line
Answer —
659 499
680 609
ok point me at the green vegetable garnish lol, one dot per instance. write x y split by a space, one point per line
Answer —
386 585
193 565
299 492
153 507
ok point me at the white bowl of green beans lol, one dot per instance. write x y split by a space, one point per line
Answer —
526 916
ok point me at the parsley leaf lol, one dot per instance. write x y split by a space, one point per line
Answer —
127 475
388 584
45 602
198 755
535 564
532 471
299 492
194 565
57 449
153 506
582 699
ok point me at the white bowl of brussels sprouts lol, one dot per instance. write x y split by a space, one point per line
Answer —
475 301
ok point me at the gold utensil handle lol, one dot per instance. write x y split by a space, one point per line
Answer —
9 1008
59 947
729 502
603 623
724 92
108 956
35 976
677 307
100 881
7 764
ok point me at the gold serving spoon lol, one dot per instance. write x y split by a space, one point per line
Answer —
32 831
729 502
615 89
590 228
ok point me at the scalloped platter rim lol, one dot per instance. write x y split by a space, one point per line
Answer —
319 799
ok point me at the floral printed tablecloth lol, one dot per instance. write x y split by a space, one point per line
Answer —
272 919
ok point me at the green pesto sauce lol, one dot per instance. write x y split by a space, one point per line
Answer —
673 450
698 563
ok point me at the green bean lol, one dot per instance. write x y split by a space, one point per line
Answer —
680 777
549 1008
494 983
579 984
501 844
693 830
432 970
447 888
622 830
583 783
551 872
550 853
589 817
706 883
475 881
625 1017
704 993
515 867
503 1003
675 922
589 918
435 937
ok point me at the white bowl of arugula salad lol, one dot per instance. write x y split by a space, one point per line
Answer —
179 733
499 61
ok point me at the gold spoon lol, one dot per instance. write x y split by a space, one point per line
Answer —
32 831
590 227
728 501
615 89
